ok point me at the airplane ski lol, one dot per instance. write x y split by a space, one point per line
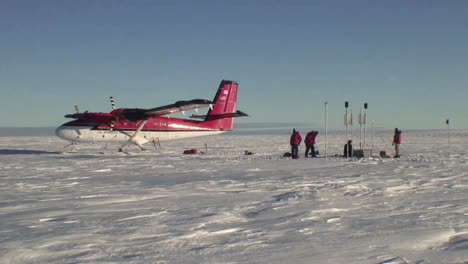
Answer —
135 139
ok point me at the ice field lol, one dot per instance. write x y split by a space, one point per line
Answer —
99 206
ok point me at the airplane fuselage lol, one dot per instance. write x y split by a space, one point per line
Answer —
155 129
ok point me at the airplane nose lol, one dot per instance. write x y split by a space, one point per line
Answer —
59 132
65 133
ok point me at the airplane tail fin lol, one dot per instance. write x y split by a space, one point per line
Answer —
222 114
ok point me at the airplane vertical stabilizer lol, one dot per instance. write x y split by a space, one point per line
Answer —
224 105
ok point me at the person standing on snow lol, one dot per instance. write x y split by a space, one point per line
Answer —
309 141
295 141
348 149
397 138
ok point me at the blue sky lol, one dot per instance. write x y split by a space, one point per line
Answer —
407 59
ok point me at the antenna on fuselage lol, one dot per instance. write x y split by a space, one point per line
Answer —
76 109
112 102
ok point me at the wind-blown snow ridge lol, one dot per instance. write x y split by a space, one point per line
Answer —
100 206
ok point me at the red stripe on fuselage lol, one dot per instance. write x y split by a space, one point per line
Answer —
153 124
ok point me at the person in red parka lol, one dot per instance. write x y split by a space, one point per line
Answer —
397 138
295 141
309 141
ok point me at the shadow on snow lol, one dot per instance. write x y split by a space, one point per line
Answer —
25 152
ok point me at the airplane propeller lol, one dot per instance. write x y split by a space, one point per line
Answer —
112 102
77 112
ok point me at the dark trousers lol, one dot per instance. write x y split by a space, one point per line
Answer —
295 150
310 148
348 151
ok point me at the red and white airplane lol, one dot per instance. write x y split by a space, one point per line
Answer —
139 126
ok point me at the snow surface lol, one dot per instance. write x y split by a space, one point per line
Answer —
99 206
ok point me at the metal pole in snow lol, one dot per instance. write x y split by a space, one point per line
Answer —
352 128
326 129
373 132
346 124
365 124
346 119
448 132
360 128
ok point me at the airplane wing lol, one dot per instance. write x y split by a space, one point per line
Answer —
220 116
179 106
